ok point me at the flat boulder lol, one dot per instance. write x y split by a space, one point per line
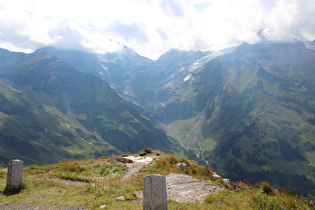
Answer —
187 189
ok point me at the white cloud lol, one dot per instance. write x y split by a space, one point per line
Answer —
151 27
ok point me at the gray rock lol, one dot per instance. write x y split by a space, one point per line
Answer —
226 181
186 189
139 194
154 192
216 176
14 176
121 198
181 166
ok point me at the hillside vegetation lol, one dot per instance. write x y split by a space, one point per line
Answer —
248 113
96 183
50 111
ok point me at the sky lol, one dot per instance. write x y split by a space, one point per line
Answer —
152 27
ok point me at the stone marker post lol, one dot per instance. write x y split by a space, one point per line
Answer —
154 192
14 176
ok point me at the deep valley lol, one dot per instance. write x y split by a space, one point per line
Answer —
248 112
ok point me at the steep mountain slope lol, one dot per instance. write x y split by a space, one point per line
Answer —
40 134
66 99
257 120
142 80
249 114
114 67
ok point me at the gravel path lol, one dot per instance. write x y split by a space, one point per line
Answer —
70 182
138 163
30 205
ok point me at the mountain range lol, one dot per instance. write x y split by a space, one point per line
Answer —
247 112
50 110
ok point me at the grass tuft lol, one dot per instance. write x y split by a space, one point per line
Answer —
148 150
172 159
266 187
126 154
145 151
130 196
183 160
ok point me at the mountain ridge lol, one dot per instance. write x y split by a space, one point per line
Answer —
85 100
248 113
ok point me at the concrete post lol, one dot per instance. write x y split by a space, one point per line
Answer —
14 176
154 192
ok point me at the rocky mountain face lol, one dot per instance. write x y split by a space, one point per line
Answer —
247 113
50 110
258 124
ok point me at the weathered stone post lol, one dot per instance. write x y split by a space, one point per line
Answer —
14 176
154 192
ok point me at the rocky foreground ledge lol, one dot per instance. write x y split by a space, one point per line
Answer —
187 189
180 187
116 182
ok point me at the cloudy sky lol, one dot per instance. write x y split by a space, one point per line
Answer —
151 27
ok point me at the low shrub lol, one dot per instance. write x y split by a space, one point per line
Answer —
209 199
191 170
145 151
106 168
172 159
183 160
103 157
264 201
71 166
126 154
219 181
142 153
124 160
35 169
148 150
216 197
3 172
203 171
157 152
239 185
228 186
266 187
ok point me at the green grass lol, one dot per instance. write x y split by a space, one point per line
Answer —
253 197
166 165
209 144
103 186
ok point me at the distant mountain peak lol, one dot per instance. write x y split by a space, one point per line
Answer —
47 49
269 48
